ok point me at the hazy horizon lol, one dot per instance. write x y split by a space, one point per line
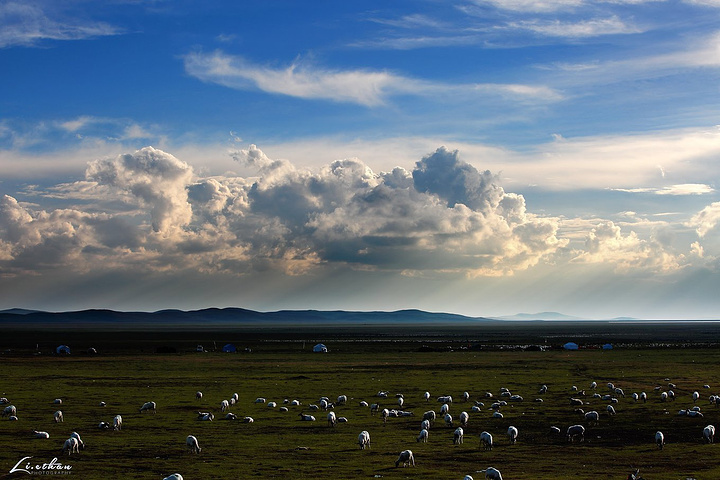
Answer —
481 158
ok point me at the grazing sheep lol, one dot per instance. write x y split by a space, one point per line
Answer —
4 401
58 417
592 416
643 397
232 401
331 419
593 385
272 404
671 395
512 433
497 415
486 440
444 399
76 436
374 408
444 409
554 430
284 409
660 439
235 397
104 426
448 420
224 405
574 432
400 401
406 458
192 444
543 389
71 446
695 396
198 395
464 419
230 416
427 396
102 404
10 410
476 409
385 414
492 473
516 398
117 422
619 391
429 416
342 419
466 396
341 400
423 436
364 440
306 418
663 396
260 400
635 397
458 436
174 476
37 434
610 410
575 402
425 424
149 407
382 394
57 401
13 418
205 416
467 477
709 434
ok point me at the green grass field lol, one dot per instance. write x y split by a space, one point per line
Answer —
279 445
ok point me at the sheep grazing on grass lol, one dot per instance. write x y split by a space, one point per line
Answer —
448 420
695 396
592 416
341 400
71 446
224 405
512 434
248 420
643 397
444 409
543 389
492 473
423 436
445 399
427 396
610 410
709 434
374 408
429 416
259 400
400 401
117 422
466 396
198 395
205 416
342 420
149 407
364 404
486 441
331 419
37 434
4 401
192 444
425 424
364 440
660 439
57 401
385 414
10 410
174 476
458 435
406 458
58 417
104 426
554 430
467 477
497 415
76 436
575 431
464 419
230 416
306 418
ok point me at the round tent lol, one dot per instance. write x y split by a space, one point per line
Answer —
63 350
607 346
229 348
570 346
320 348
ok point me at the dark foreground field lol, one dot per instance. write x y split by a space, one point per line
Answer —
128 372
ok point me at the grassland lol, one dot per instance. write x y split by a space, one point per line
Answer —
279 445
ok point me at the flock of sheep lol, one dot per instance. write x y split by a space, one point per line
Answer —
573 433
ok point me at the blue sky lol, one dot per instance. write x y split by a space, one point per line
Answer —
481 157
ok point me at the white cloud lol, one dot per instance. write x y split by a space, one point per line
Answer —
673 190
586 28
25 24
706 220
363 87
532 5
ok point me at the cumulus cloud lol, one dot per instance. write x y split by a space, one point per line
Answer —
706 220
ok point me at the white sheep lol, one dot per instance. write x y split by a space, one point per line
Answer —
695 396
429 416
444 409
466 396
224 405
458 436
174 476
709 433
385 414
427 396
341 400
230 416
610 410
117 422
259 400
497 415
342 419
492 473
486 440
364 440
574 432
306 418
423 436
593 385
464 419
76 436
206 416
448 420
248 420
445 399
425 424
643 397
660 439
406 458
512 434
331 419
149 407
198 395
272 404
104 426
364 404
10 410
400 401
192 444
57 401
295 403
37 434
374 408
543 389
71 446
235 397
467 477
58 417
592 416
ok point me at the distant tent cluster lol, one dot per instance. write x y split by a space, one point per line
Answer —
574 346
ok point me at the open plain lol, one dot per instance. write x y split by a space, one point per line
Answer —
280 366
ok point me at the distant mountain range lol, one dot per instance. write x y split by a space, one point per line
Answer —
554 316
